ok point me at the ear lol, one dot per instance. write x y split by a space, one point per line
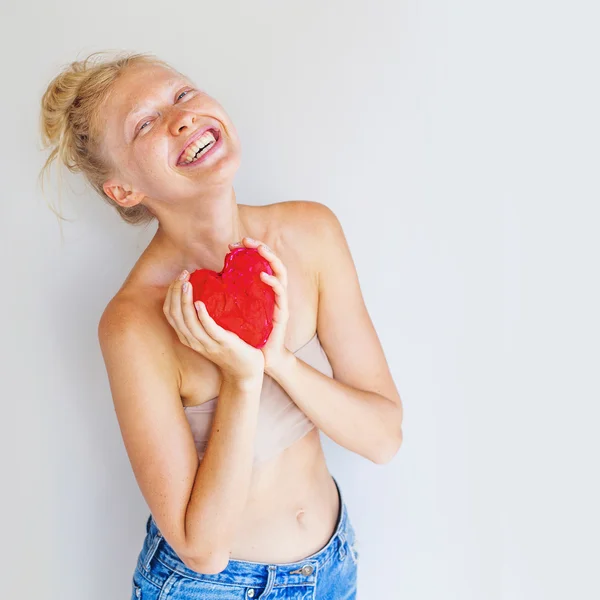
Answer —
122 194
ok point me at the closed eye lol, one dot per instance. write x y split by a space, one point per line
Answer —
178 97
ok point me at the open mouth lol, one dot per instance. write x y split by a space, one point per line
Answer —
200 147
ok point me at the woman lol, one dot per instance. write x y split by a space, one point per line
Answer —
242 503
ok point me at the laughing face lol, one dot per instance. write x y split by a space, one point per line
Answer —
168 141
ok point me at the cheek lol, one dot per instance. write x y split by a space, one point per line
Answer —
151 157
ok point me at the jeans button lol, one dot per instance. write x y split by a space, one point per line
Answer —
307 569
251 593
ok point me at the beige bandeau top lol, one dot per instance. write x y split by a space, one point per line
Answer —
280 422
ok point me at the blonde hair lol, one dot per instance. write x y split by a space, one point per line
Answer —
70 122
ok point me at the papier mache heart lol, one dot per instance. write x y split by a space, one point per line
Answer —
237 298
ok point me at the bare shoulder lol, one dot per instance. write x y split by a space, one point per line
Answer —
305 217
131 320
304 225
125 311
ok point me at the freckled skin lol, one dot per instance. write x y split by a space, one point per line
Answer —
197 213
144 149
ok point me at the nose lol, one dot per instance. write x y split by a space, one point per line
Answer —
181 121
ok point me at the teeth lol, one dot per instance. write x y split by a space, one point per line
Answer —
203 140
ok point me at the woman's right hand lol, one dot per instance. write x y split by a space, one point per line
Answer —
196 329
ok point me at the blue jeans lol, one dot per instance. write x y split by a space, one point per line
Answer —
330 573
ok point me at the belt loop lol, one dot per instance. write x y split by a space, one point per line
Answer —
152 550
270 581
342 548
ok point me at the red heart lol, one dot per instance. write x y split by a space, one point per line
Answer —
237 298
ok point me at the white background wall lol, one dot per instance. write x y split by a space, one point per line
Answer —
458 144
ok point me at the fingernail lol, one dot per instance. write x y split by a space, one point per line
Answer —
183 275
186 286
251 240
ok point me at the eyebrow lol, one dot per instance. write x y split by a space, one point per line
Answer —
138 108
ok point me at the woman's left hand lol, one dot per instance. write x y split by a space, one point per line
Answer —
274 350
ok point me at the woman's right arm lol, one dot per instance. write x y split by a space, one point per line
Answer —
196 504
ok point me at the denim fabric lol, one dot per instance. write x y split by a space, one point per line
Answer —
330 573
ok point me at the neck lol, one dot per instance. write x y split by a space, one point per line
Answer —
199 238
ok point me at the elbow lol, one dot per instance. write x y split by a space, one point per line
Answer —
207 566
206 561
391 440
388 450
209 558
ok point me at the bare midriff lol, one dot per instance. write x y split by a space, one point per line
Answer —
292 506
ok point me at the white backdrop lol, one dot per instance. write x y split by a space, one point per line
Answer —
458 144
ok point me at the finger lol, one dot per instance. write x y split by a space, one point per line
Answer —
246 242
210 325
273 282
251 242
167 306
190 318
169 316
281 306
167 313
175 298
176 312
278 267
174 294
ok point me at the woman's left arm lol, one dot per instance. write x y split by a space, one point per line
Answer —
360 408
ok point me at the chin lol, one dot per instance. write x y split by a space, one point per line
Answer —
223 169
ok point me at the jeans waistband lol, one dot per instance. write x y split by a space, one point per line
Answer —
243 572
